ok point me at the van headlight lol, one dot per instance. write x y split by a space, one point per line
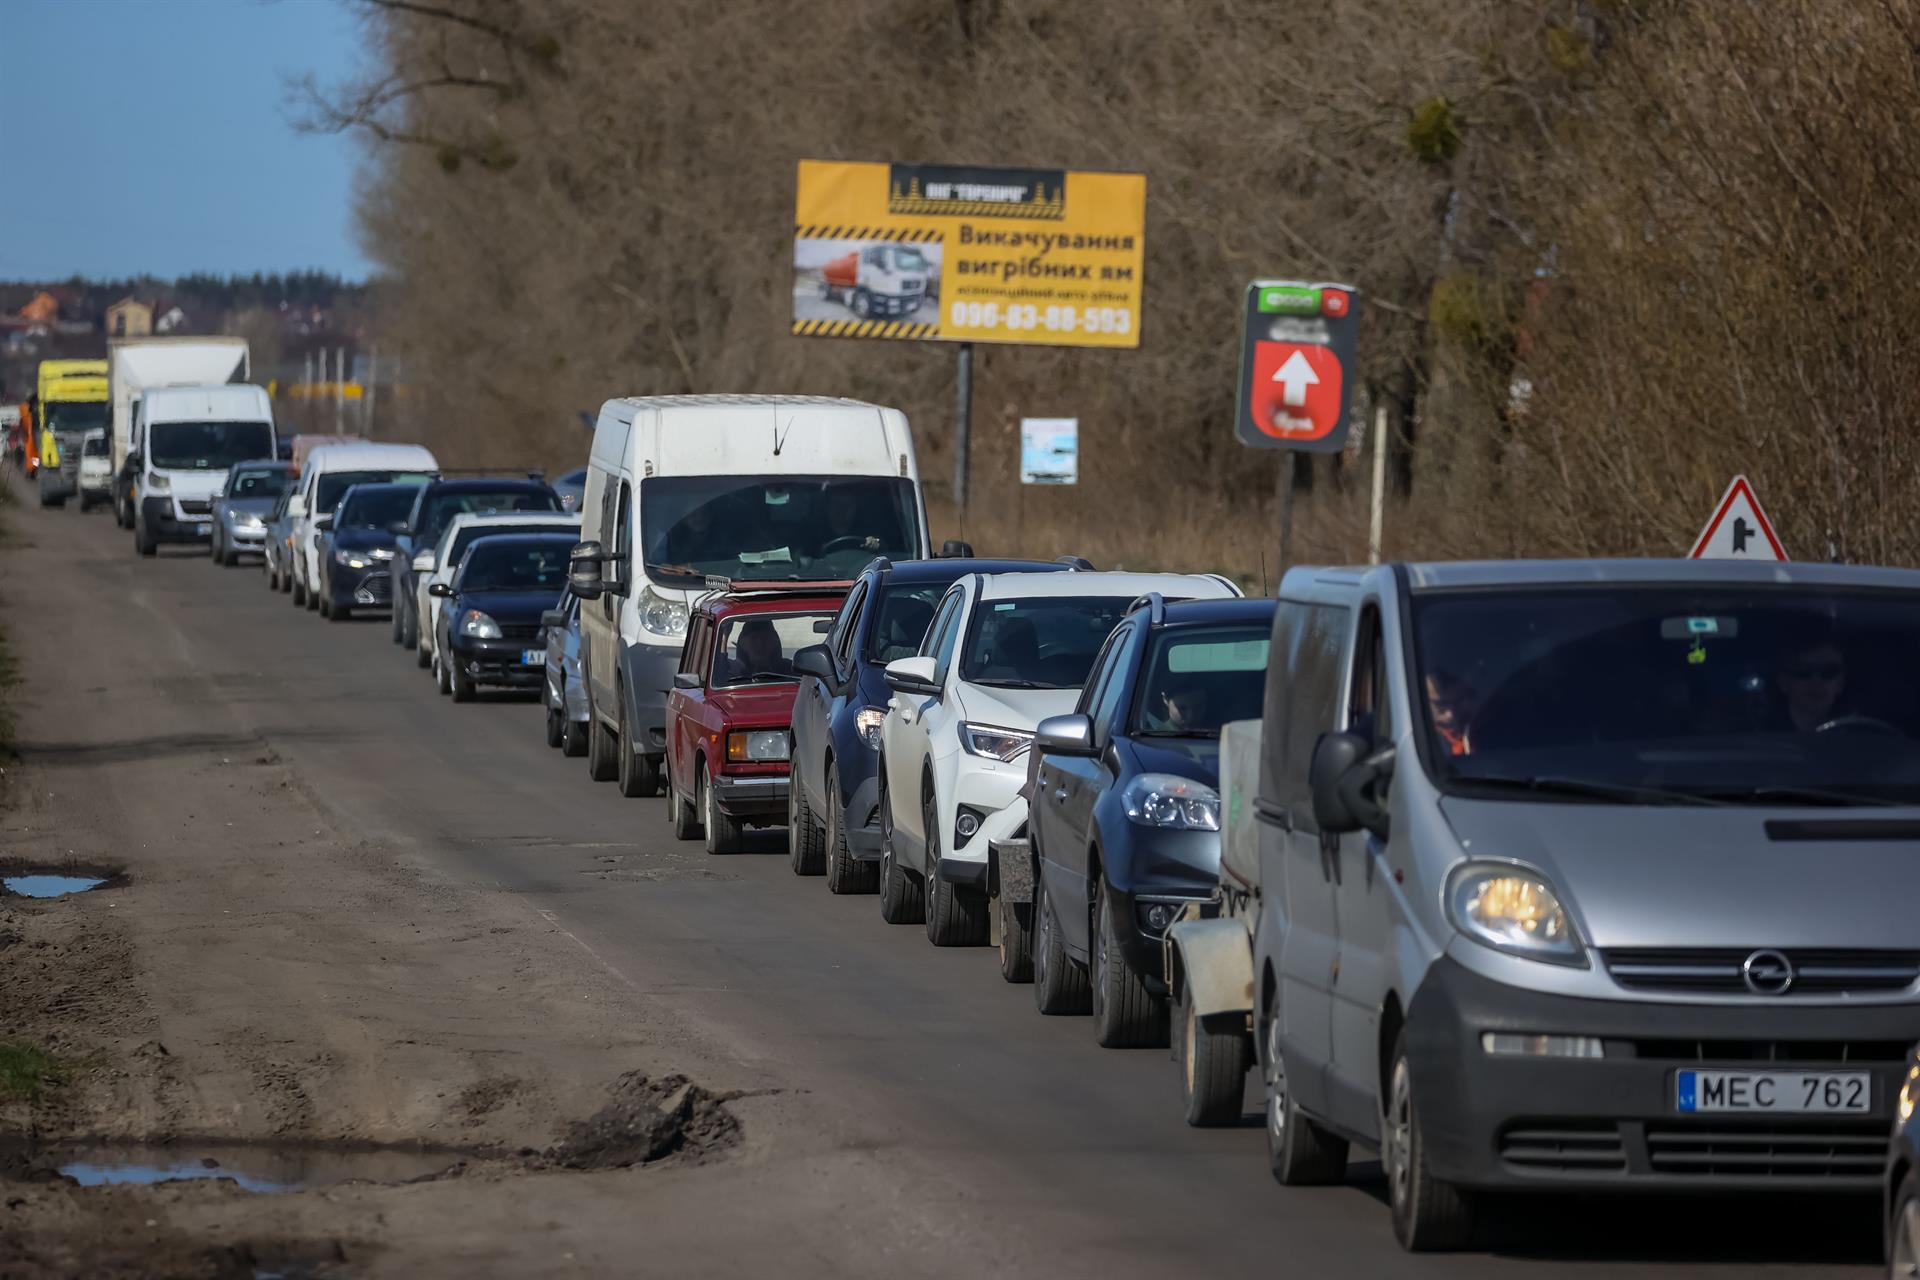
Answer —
661 615
1168 800
1514 910
158 482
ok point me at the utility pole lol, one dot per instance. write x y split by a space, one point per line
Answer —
962 433
339 391
366 393
1375 526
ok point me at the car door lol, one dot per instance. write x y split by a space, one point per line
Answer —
1296 855
819 701
1363 895
686 707
911 717
1063 799
602 643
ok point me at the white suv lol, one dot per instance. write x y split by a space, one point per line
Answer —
1004 652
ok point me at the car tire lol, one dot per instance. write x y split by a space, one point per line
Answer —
410 629
573 738
723 833
325 596
421 657
273 575
556 724
902 898
144 542
1903 1229
1125 1014
1299 1152
1430 1215
639 775
286 579
956 915
845 873
340 613
313 599
682 813
806 842
1213 1068
395 619
440 680
464 689
229 558
1059 985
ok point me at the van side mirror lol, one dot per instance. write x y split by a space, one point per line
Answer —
584 577
914 675
441 590
296 506
1344 780
323 522
1067 735
815 661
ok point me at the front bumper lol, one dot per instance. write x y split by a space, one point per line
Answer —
1148 865
243 537
498 662
761 798
1533 1123
368 588
992 788
166 523
861 817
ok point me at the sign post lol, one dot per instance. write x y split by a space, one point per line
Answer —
1738 529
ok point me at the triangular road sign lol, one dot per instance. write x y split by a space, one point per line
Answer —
1739 529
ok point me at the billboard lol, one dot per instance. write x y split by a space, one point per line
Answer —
951 253
1049 451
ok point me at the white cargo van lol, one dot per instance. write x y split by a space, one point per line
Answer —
681 489
332 469
184 441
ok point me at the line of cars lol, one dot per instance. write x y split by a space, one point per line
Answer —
1533 877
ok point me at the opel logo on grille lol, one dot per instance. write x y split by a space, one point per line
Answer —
1767 973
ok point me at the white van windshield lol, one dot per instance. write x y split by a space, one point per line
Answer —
206 446
774 528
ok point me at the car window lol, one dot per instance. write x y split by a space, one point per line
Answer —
1039 642
466 535
442 507
903 615
942 620
374 508
1097 681
847 624
1302 702
758 648
693 654
1369 709
512 565
258 484
1198 678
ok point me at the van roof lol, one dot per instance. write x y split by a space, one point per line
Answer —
1004 586
718 401
370 457
1445 575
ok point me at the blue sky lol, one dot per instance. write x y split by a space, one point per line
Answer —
152 136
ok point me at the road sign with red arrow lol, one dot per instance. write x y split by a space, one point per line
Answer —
1296 347
1739 529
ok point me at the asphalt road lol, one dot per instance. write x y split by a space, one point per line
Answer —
1052 1155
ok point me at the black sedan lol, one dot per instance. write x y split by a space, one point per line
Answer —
1903 1179
489 621
356 548
1124 815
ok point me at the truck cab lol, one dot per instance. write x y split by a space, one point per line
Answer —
878 280
186 439
72 402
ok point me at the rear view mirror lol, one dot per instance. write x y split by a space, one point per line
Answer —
1068 735
440 590
584 577
1344 780
554 619
686 679
815 661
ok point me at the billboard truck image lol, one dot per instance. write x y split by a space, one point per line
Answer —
871 279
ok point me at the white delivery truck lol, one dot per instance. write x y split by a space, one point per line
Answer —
184 441
136 364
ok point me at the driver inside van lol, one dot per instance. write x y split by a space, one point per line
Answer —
1451 703
1813 684
844 522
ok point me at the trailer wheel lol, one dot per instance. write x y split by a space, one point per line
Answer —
1213 1067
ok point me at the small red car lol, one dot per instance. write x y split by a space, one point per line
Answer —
728 713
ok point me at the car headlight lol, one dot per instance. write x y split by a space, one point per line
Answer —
994 742
1514 910
247 520
1909 1093
756 746
1170 801
158 483
478 625
660 614
380 553
351 559
868 722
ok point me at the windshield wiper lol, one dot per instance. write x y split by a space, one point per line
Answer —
1804 795
1012 683
1176 733
1620 792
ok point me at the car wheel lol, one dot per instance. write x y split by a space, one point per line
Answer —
556 724
313 598
1213 1068
845 873
410 629
956 914
806 843
1903 1230
286 579
229 558
325 596
639 774
1016 941
1125 1014
143 541
464 688
573 738
396 619
1059 985
273 575
723 833
1429 1215
685 817
440 681
902 900
602 765
1299 1152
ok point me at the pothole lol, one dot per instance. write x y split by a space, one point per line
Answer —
647 1119
264 1168
49 882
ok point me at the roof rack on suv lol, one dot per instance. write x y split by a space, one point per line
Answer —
1156 606
1077 564
879 564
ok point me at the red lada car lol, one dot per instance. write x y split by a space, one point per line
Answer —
732 701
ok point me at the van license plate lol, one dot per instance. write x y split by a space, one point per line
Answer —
1775 1092
533 657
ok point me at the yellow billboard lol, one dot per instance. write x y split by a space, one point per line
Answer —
954 253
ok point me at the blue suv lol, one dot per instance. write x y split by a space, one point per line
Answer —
833 803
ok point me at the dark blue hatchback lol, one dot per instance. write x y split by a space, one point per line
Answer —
833 800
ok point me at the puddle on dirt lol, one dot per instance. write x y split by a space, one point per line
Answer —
49 884
262 1169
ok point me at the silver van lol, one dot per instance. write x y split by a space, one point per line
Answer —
1586 875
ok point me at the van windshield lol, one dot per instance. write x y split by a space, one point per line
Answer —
328 488
778 528
1048 642
206 446
1676 694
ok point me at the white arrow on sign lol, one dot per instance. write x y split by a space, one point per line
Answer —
1294 377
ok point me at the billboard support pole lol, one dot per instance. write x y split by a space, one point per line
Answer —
962 433
1379 483
1291 461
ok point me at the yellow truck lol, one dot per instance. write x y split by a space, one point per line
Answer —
72 401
